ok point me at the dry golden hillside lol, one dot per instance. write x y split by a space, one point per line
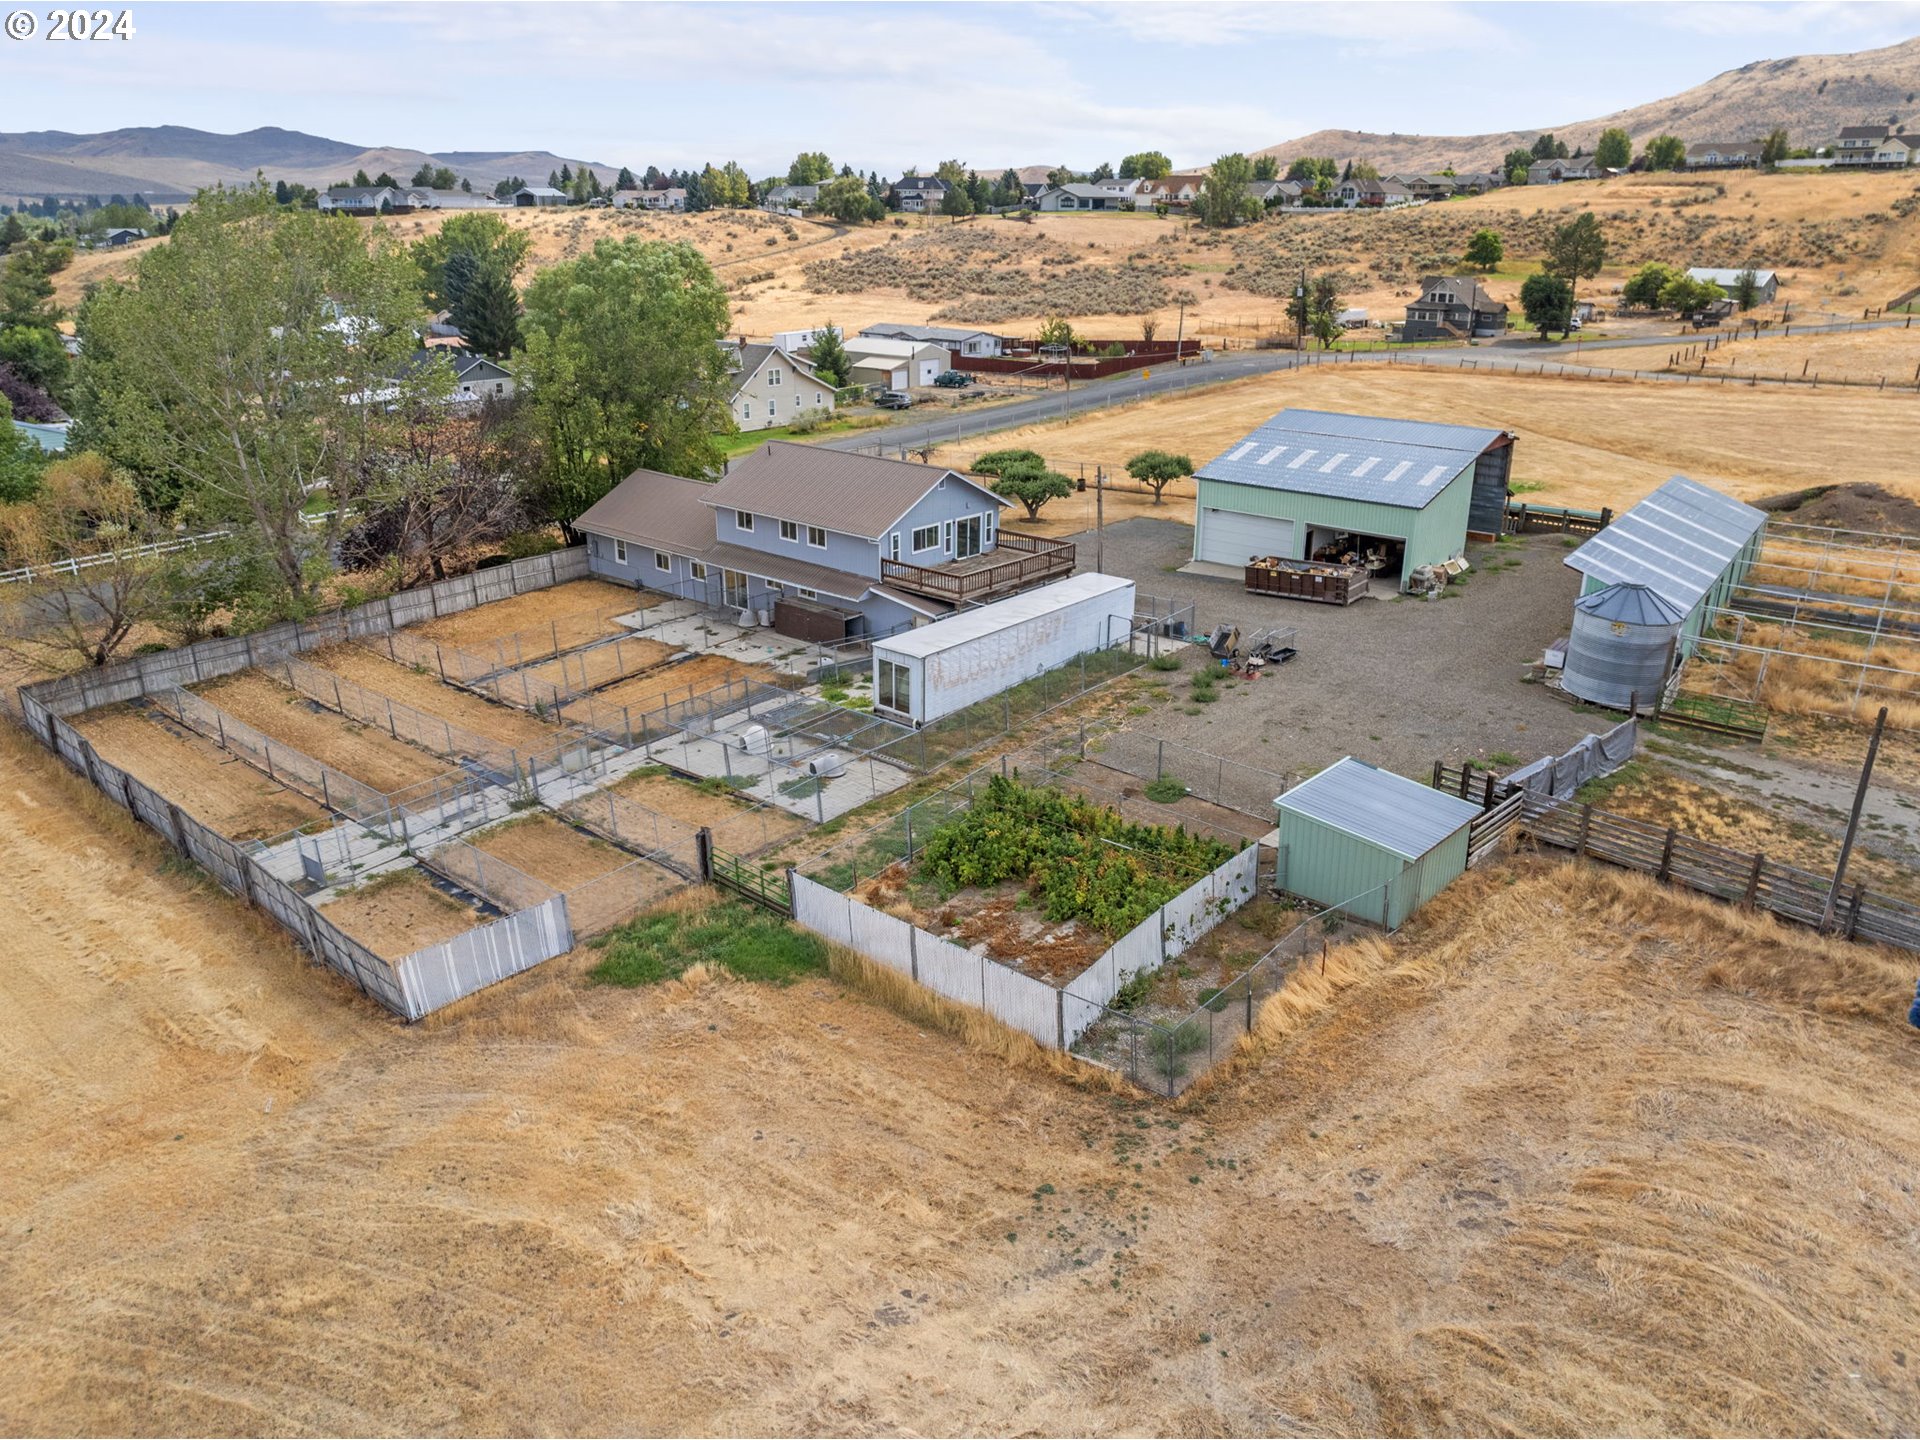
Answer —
1573 1154
1839 242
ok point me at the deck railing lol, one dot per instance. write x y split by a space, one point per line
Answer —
1031 560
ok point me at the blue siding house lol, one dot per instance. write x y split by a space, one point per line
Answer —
885 543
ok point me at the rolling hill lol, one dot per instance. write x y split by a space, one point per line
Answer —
170 162
1811 95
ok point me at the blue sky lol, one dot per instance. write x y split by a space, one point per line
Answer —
884 86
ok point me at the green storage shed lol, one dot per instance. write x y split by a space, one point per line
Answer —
1370 842
1314 484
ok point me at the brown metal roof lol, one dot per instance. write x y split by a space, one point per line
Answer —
651 508
860 495
840 584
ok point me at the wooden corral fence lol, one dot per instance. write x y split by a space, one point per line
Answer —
1524 519
1748 879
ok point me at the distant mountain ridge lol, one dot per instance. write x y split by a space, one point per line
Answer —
1812 96
170 162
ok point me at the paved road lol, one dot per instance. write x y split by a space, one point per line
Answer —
1525 356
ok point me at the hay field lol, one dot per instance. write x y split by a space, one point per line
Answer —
1840 243
282 713
1863 356
1512 1173
1581 442
224 793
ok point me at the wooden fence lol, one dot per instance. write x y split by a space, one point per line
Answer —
1748 879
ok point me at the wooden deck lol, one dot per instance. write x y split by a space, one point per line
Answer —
1017 562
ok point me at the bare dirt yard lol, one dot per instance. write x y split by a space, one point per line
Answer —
1572 1154
601 664
400 912
680 681
429 693
281 713
550 850
1584 443
736 824
229 795
580 610
1865 357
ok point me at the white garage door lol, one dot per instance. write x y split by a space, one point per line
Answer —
1228 537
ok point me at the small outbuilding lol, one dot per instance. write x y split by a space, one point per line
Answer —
1766 284
973 655
1623 647
1372 843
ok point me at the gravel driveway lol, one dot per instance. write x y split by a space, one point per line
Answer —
1397 682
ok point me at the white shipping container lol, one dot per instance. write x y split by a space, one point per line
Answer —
973 655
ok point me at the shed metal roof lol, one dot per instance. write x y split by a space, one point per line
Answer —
991 619
1384 809
1353 457
1677 542
1726 279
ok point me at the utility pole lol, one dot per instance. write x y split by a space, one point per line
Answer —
1853 822
1180 334
1100 519
1300 315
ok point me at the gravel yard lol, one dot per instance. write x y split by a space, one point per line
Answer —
1399 683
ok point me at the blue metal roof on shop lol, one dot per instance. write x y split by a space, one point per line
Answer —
1377 806
1677 542
1353 457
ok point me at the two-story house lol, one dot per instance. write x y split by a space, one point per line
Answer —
768 386
1453 307
1427 187
1173 190
1554 172
1723 154
1877 146
920 194
882 543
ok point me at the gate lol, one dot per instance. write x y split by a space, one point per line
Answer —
764 887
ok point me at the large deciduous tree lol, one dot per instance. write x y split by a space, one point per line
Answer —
1577 249
1147 165
1614 150
1485 250
810 167
254 360
1666 152
1548 303
625 372
451 256
1223 199
1158 469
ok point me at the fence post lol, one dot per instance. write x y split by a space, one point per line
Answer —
703 853
1438 777
1753 881
1160 759
1060 1016
1853 910
1666 855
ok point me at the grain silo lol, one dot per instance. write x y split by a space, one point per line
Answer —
1622 645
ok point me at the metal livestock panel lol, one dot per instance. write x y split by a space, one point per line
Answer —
885 938
69 746
946 969
170 668
340 952
110 780
215 854
825 912
1028 1005
410 607
153 810
441 974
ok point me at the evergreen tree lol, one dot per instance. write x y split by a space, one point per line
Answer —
624 180
360 180
829 355
566 177
488 311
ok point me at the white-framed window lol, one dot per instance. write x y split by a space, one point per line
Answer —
776 587
927 537
893 545
895 687
947 544
698 569
789 530
806 594
620 551
992 519
743 520
662 561
817 537
773 376
773 408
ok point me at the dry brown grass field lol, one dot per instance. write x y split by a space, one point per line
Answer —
1862 356
579 611
1581 442
1571 1154
282 713
1839 242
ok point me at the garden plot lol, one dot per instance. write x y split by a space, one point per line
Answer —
358 750
682 680
600 664
736 825
216 788
516 728
580 611
401 911
550 850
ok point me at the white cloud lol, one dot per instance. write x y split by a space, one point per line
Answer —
1400 26
1833 26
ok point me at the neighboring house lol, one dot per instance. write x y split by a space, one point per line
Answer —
1174 190
1083 197
957 341
1276 192
673 198
1030 190
1116 186
476 379
1453 307
538 195
920 194
1427 187
1477 182
454 200
790 197
769 386
894 364
366 199
1722 154
885 543
1875 145
1310 484
122 237
52 438
1767 283
1553 172
1372 194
